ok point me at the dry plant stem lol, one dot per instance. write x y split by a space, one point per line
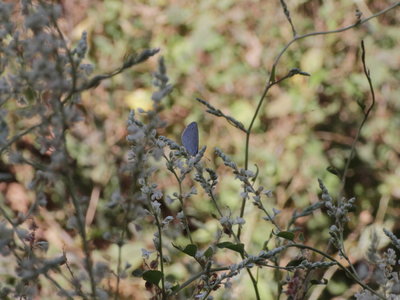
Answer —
366 115
287 14
361 21
211 194
126 218
135 174
219 281
95 81
219 210
195 277
82 232
4 214
30 129
352 150
71 61
69 182
160 250
92 83
254 283
18 136
181 201
271 81
261 206
248 133
63 291
353 146
79 214
78 288
252 278
161 260
125 223
350 274
184 213
120 244
300 246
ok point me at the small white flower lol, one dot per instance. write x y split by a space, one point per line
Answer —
167 220
146 253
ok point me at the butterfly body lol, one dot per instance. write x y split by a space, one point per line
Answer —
190 138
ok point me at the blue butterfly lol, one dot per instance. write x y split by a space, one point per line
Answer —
190 138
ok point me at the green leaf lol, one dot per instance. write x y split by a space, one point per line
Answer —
295 262
286 235
334 171
235 247
190 250
152 276
209 252
137 273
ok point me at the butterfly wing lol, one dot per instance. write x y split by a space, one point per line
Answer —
190 138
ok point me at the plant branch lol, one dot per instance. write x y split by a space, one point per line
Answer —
350 274
366 115
271 82
359 22
160 247
180 198
18 136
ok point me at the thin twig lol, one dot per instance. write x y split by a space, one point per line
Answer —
82 232
356 24
180 198
366 115
353 276
18 136
62 290
287 14
248 132
15 229
72 90
160 247
272 81
74 281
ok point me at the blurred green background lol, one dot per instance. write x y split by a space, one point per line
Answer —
222 51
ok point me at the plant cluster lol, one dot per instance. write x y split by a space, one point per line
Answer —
41 84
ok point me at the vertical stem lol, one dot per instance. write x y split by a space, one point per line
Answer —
82 231
70 187
247 148
254 282
160 249
120 244
125 221
366 115
164 296
186 220
69 181
181 200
